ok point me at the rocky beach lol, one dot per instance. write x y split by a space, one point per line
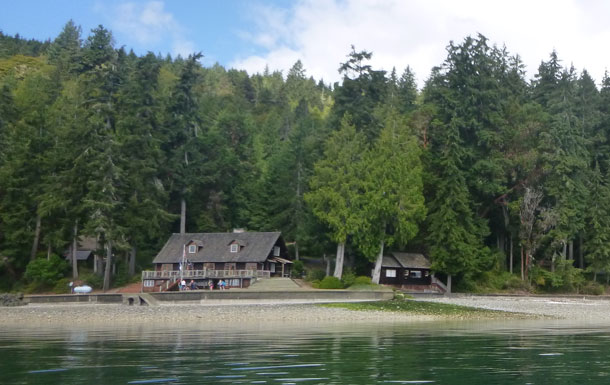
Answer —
292 312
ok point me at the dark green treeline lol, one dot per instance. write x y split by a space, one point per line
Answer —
482 170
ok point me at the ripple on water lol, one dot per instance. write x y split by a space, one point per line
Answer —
154 381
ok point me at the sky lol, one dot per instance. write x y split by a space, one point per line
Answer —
254 34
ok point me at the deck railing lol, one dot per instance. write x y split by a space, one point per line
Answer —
205 273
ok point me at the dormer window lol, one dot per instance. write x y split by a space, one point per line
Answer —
192 249
276 251
234 248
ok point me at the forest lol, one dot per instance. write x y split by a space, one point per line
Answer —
501 180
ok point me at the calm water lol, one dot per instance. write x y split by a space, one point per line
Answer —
540 352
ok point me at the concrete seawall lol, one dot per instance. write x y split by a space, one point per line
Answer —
74 298
204 295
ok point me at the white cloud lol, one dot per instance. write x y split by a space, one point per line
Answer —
149 24
416 33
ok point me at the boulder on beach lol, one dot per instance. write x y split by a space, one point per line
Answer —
7 299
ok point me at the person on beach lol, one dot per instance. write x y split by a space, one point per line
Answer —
222 284
211 285
193 285
183 285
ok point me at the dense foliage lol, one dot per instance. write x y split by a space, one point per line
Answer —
481 170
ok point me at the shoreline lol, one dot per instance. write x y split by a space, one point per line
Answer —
239 313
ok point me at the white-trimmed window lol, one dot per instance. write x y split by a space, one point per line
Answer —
415 274
390 273
234 248
276 251
192 249
149 283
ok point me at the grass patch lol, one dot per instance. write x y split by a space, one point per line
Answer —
367 287
426 308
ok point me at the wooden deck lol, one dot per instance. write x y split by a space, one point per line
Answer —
204 274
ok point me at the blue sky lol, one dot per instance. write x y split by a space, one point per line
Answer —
252 34
217 28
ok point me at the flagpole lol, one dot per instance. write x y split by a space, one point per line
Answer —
182 265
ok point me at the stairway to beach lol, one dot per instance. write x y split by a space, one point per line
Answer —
274 284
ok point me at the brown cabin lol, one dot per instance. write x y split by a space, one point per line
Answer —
237 258
405 269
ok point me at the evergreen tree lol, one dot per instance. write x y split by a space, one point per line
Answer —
392 203
335 186
455 233
99 84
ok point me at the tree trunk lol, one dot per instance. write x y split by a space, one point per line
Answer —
339 260
36 238
296 250
449 283
564 251
182 216
49 250
108 268
581 258
74 249
511 252
528 261
327 264
132 261
377 271
522 271
571 250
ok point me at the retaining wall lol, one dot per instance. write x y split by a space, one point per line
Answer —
306 295
74 298
202 295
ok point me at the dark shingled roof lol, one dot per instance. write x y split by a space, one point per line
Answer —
406 260
389 261
214 247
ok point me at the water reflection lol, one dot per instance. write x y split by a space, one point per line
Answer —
535 352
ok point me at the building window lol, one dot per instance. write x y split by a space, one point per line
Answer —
149 283
390 273
230 266
192 249
234 248
415 274
276 251
272 267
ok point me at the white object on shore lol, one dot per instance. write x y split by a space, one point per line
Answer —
83 289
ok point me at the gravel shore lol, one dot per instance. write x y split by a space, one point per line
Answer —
231 313
591 309
105 314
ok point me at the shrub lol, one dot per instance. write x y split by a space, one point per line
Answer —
298 268
593 288
515 283
315 275
348 278
566 278
362 280
331 283
62 286
43 272
93 280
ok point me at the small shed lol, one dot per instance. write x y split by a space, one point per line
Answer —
86 253
405 269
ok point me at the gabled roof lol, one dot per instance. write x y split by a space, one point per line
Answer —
256 247
406 260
